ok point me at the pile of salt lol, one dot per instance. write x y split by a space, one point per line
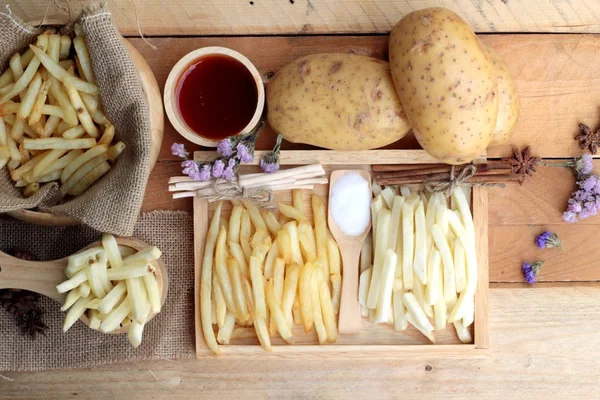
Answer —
351 204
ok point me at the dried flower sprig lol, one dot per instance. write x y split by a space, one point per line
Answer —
234 151
548 240
531 271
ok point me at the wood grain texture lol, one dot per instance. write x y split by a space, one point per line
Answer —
480 206
543 344
227 17
557 76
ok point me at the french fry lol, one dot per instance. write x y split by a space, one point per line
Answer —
307 248
434 278
53 50
334 257
271 222
320 220
292 229
272 259
327 308
222 271
31 189
61 74
261 250
243 333
65 47
284 243
336 292
381 242
8 108
58 143
81 173
245 225
316 309
384 296
115 151
277 314
75 312
28 100
49 158
113 320
76 262
388 195
74 133
89 179
36 112
3 133
260 326
22 81
258 238
206 282
91 102
126 272
416 312
99 117
400 322
364 282
258 290
291 212
112 298
298 200
51 125
7 78
296 312
93 276
420 256
235 249
108 135
448 264
82 113
51 177
235 274
226 329
408 245
290 287
218 302
94 319
235 220
247 249
84 58
255 216
305 297
70 116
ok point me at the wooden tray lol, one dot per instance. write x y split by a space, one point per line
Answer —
380 341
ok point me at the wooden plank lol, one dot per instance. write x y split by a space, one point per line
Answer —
558 78
543 344
226 17
480 216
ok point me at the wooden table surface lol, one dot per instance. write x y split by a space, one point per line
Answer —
543 339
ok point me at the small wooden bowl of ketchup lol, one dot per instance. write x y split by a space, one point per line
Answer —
213 93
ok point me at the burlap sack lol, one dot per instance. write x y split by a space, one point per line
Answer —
113 203
169 335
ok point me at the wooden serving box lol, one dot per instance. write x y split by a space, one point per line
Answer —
374 340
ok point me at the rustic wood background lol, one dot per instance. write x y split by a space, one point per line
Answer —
543 339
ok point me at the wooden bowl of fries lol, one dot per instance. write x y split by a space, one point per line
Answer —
60 119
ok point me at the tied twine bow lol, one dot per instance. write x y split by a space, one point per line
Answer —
447 186
260 196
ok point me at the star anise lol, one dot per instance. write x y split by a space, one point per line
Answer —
588 139
523 163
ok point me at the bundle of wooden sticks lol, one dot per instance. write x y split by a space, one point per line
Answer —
304 177
497 171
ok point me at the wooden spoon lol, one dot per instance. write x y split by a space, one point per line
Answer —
43 276
349 321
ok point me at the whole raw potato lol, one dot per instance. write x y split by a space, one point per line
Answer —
446 84
336 101
509 101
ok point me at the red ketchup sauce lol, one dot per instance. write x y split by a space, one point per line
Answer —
217 96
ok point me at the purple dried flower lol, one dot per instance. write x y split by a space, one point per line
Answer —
191 169
205 173
178 149
270 161
548 240
584 165
570 217
229 172
224 148
217 169
589 184
244 154
268 167
531 271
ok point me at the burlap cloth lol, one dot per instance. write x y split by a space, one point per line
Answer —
113 203
169 335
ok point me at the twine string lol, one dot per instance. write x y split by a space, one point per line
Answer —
260 196
446 186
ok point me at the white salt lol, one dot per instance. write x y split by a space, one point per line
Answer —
351 204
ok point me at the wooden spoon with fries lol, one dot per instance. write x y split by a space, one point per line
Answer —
43 277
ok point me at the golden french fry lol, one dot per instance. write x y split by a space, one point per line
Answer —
91 102
58 143
282 219
51 126
81 175
277 314
316 309
115 151
258 290
206 282
108 135
305 297
327 308
226 329
334 257
235 221
61 74
307 248
245 225
272 259
15 66
4 152
49 158
291 212
292 229
31 189
7 78
255 216
75 133
82 112
61 163
235 249
246 248
23 81
10 107
84 58
65 47
298 200
81 160
222 272
284 243
260 325
336 295
258 237
54 47
36 112
235 274
99 117
69 114
3 133
320 219
28 100
18 173
290 287
271 222
218 302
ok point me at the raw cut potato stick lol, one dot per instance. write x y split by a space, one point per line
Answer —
434 279
428 335
460 266
381 242
366 253
363 286
388 195
416 312
206 282
419 292
396 222
76 261
463 332
75 312
400 322
113 320
420 260
130 271
112 298
71 298
449 280
376 206
469 248
384 300
465 212
407 245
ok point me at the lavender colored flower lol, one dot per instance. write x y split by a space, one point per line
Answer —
217 169
570 217
585 201
229 172
191 169
531 271
268 167
584 165
224 148
205 172
270 161
244 154
589 184
548 240
178 149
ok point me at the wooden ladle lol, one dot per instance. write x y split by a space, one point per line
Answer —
349 321
43 276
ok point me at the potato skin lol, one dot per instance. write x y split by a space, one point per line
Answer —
446 84
509 100
336 101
